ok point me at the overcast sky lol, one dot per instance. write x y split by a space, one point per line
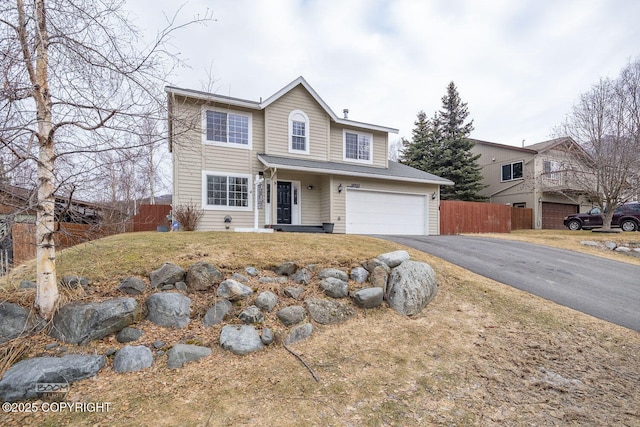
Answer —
519 65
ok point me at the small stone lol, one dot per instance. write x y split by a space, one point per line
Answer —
359 274
251 314
266 300
132 286
27 284
299 333
158 344
333 273
622 249
286 269
233 290
240 278
73 282
302 277
267 336
132 358
251 271
293 292
394 259
334 288
240 339
217 313
129 334
368 297
181 286
180 354
292 315
589 243
110 352
610 245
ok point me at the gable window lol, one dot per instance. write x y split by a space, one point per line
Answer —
226 127
226 191
298 132
357 147
512 171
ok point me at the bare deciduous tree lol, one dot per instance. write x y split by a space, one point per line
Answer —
606 123
77 80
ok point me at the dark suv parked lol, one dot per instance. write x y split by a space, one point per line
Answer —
626 217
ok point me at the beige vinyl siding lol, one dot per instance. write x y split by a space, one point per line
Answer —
379 151
277 133
191 156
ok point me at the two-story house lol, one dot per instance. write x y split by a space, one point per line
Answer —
290 162
539 176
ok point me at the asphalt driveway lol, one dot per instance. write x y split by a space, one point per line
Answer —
607 289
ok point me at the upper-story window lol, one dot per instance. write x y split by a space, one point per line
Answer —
512 171
227 128
298 132
357 147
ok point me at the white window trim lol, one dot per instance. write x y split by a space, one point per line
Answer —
306 132
208 207
205 141
344 147
512 178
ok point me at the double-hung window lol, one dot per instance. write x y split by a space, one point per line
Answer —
512 171
226 191
298 132
227 127
357 147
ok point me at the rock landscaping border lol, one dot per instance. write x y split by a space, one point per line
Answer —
295 300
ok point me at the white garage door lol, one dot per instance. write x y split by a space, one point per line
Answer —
373 212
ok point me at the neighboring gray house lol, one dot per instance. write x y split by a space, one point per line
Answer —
535 176
290 161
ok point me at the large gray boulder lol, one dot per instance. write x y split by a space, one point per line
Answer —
131 358
394 259
329 312
172 310
216 313
167 274
202 276
19 381
180 354
302 277
16 320
240 339
412 285
79 323
359 274
233 290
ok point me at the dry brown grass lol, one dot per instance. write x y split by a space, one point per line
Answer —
480 354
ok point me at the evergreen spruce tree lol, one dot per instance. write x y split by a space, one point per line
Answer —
457 163
441 146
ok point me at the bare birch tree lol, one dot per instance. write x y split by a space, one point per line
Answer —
606 123
77 79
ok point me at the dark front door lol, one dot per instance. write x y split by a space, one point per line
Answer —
284 202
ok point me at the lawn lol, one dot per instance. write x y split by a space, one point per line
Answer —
481 353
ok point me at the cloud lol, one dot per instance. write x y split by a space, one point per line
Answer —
519 65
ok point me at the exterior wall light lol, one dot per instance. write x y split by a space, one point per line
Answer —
339 188
310 187
434 195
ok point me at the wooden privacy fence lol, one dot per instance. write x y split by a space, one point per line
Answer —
458 217
149 217
68 234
